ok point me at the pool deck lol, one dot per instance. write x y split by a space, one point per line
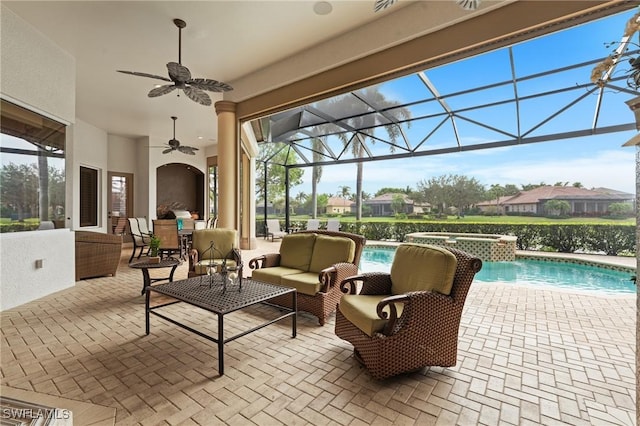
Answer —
526 356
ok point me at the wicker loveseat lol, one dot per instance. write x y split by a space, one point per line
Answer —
314 263
409 318
97 254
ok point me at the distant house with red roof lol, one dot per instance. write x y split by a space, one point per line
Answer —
339 205
583 202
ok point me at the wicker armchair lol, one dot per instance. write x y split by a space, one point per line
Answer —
212 247
318 289
97 254
393 332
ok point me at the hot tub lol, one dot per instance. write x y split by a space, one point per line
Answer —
489 247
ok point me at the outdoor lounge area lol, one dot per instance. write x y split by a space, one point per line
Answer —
525 356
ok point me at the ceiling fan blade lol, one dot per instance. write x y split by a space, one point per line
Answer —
189 150
210 85
178 73
197 95
168 150
468 4
144 74
162 90
382 4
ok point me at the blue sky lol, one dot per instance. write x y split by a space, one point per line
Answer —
595 161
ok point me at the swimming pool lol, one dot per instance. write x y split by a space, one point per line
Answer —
526 272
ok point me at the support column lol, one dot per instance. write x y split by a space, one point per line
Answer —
228 161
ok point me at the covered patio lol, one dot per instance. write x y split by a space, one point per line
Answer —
526 356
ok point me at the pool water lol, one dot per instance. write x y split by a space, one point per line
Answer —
528 272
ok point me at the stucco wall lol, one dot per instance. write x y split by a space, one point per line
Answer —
122 155
90 149
34 71
21 281
27 57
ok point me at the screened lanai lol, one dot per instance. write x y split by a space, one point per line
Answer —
539 90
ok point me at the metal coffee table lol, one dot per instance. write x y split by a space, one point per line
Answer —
197 291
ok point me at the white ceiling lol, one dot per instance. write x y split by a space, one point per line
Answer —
228 41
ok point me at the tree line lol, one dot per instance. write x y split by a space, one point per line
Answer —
31 191
444 193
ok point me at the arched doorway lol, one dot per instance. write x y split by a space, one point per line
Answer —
179 187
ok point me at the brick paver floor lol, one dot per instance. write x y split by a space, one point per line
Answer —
526 356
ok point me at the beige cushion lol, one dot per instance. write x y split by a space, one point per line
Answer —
273 275
296 249
202 267
422 267
305 282
224 241
329 250
361 311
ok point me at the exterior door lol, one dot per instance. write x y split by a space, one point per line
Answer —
120 197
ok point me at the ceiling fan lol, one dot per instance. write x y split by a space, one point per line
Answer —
465 4
174 144
180 76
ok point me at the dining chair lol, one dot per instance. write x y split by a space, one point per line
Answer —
143 227
140 240
167 231
121 226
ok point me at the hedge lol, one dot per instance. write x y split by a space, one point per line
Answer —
565 238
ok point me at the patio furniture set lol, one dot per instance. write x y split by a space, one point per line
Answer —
397 322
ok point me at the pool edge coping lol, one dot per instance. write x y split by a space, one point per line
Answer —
605 262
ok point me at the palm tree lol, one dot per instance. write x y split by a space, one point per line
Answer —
367 123
344 192
316 173
301 197
497 191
